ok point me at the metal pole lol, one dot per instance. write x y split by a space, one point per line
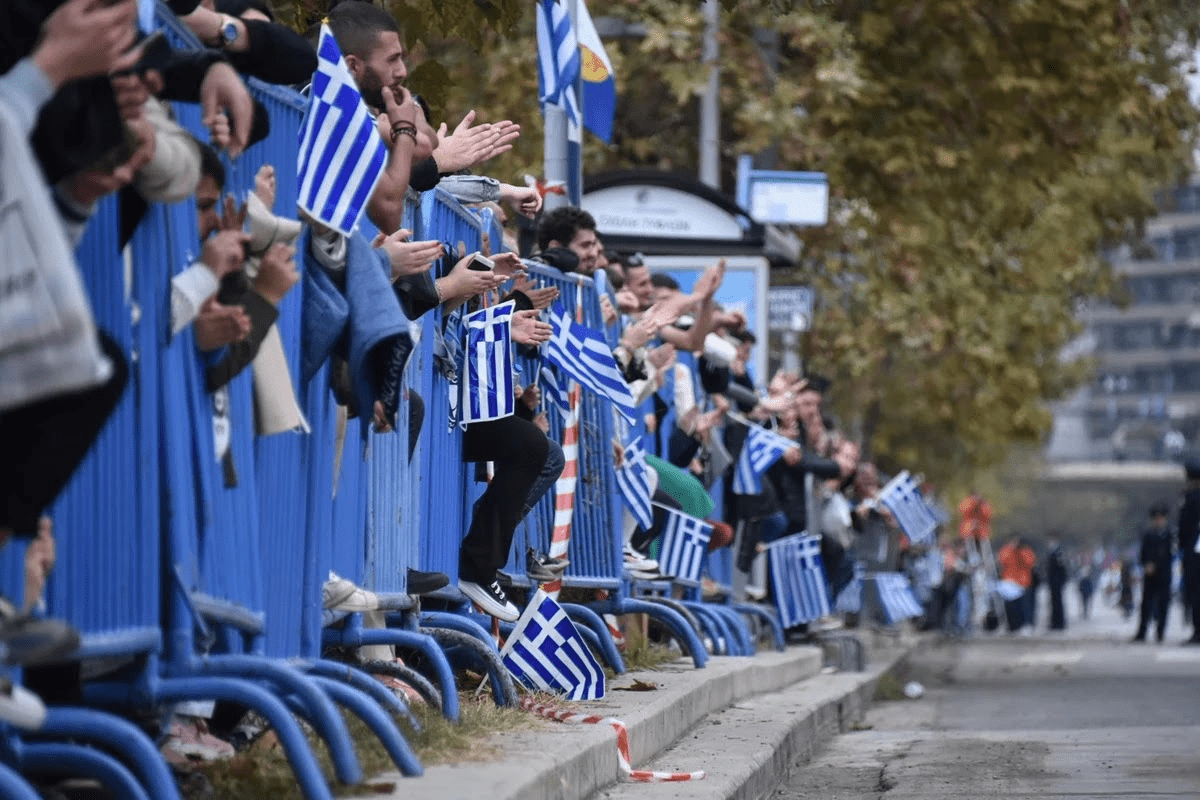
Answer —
555 153
710 109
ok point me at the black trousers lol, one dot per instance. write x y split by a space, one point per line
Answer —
44 442
1156 597
518 449
1191 588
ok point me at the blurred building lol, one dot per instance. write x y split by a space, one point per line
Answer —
1144 401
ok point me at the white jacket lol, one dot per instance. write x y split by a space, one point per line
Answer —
48 342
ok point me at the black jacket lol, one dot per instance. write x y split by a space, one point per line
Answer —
1157 549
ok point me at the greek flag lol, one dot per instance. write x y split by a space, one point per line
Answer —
555 389
341 153
545 652
849 599
798 579
488 391
895 597
583 354
903 498
634 483
684 544
761 449
558 59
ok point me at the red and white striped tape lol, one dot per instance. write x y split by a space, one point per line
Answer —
640 775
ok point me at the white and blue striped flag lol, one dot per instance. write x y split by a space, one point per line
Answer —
558 61
584 354
798 579
556 390
341 153
761 449
489 390
634 482
902 497
850 598
896 598
684 545
545 652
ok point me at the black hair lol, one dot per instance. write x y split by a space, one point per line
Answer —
1160 509
356 26
211 166
561 225
661 280
744 336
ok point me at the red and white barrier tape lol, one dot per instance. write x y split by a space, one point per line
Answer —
641 775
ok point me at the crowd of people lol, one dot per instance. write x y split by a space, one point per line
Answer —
85 113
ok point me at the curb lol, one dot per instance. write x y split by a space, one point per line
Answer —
571 762
752 746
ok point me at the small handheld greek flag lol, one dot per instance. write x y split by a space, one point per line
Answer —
761 449
546 652
895 597
488 391
584 354
556 390
903 498
798 579
634 483
684 544
341 154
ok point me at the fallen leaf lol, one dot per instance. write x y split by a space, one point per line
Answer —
637 686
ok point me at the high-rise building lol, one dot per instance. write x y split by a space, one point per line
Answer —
1144 400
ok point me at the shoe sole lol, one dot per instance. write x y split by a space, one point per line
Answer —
479 597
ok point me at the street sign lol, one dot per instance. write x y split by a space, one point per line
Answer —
789 308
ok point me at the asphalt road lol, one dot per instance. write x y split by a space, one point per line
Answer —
1081 714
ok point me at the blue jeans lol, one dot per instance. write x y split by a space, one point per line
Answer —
555 461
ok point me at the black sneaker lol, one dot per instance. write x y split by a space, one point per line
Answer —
491 598
419 582
542 568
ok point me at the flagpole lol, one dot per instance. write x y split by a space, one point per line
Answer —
554 156
575 163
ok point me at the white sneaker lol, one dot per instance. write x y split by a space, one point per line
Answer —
491 599
339 594
636 561
20 707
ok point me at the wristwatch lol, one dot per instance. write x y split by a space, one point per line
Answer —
228 33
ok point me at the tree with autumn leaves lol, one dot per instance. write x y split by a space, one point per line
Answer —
981 155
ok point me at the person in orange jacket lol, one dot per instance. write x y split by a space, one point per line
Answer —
1016 561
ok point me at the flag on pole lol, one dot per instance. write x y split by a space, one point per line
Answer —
684 544
849 599
902 497
761 449
798 579
488 390
584 354
599 88
896 597
633 479
546 652
341 154
558 60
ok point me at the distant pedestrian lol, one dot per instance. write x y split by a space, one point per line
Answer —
1189 528
1016 561
1087 587
1056 579
1125 590
1155 557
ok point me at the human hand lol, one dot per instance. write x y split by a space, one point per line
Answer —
467 146
540 297
218 325
408 258
627 301
277 272
224 252
640 332
223 93
607 312
524 200
508 264
265 185
379 420
400 112
542 422
131 93
618 454
462 282
87 37
233 216
791 456
709 282
531 397
528 329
